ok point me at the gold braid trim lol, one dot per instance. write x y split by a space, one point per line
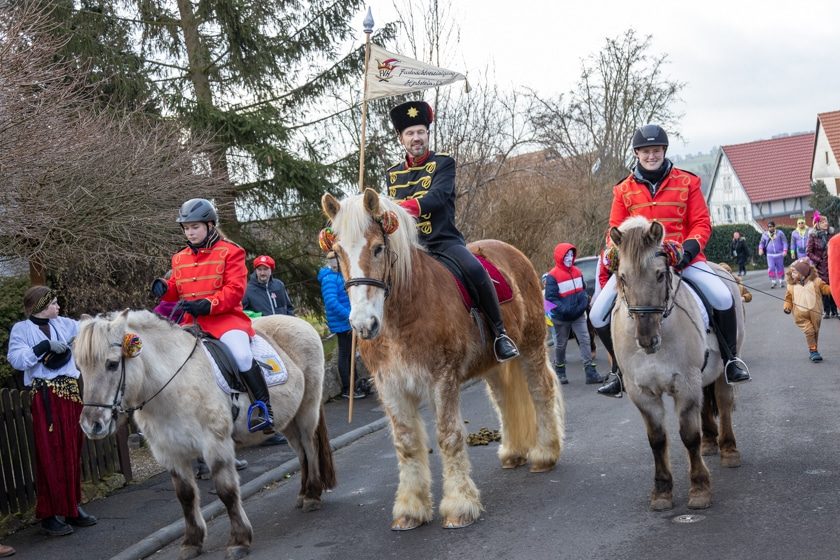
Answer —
62 386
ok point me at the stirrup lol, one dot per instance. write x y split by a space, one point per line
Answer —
263 419
512 343
745 368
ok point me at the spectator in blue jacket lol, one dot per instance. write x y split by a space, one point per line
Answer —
266 294
337 306
566 289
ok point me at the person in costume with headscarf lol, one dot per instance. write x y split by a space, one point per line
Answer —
40 347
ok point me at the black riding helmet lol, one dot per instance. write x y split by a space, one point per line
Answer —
197 210
650 135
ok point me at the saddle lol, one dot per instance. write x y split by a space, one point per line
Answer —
706 308
469 295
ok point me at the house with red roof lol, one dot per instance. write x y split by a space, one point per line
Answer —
826 154
764 180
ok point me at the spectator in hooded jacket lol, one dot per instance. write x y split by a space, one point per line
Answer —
266 294
566 289
337 307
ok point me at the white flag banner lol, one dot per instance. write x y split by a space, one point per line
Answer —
394 74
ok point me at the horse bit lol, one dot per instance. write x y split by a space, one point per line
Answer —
116 406
670 300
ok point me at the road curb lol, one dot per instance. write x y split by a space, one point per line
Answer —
165 535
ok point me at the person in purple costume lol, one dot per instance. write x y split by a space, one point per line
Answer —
774 244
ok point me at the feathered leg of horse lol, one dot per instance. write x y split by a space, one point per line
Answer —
653 413
187 492
461 503
725 396
413 501
688 412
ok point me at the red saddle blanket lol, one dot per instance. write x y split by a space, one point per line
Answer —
503 289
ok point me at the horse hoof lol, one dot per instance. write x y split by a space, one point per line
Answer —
311 505
699 502
457 522
661 504
730 460
513 462
188 552
709 449
541 467
405 524
299 502
237 552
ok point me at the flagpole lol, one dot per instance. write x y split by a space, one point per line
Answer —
368 28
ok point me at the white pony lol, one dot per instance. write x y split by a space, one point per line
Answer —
169 384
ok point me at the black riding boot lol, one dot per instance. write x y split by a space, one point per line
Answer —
503 346
727 333
255 382
614 385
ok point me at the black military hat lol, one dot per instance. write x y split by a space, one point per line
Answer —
412 113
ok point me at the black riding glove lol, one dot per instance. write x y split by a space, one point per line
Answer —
691 248
159 287
197 307
41 348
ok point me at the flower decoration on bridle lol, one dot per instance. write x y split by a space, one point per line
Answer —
131 345
388 221
611 259
672 251
326 239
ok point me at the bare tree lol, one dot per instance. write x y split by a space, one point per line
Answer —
621 88
86 198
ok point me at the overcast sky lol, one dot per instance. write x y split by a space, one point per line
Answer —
752 69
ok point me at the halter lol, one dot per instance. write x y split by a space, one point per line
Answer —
116 406
667 306
385 283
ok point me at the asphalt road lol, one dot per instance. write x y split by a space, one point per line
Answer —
782 503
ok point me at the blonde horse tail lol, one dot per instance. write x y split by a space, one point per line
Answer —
325 456
517 409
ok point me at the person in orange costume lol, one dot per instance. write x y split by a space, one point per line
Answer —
208 278
659 191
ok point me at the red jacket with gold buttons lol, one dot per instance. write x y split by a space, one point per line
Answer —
678 205
217 273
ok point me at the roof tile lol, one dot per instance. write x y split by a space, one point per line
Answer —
830 123
774 169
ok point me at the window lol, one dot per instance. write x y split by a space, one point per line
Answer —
727 183
727 211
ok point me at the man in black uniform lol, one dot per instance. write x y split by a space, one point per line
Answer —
424 185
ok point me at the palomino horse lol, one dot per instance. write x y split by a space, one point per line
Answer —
421 344
183 413
662 346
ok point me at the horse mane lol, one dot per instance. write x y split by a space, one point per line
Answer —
92 343
353 220
637 247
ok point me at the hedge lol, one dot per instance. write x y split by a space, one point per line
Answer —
718 247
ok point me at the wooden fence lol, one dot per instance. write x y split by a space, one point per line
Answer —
17 454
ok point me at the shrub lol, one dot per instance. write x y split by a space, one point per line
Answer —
718 247
11 311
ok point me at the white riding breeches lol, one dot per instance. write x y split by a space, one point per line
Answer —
699 273
239 344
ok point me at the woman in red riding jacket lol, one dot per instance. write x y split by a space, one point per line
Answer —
208 280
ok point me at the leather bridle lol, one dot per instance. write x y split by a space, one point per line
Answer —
385 282
667 306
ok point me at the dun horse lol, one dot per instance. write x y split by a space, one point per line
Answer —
662 346
421 345
179 407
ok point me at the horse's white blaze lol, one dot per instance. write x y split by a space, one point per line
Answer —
367 303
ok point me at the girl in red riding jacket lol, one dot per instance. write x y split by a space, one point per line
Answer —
208 279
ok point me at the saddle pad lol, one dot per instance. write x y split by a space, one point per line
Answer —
703 311
503 289
273 368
